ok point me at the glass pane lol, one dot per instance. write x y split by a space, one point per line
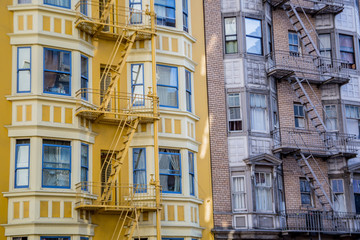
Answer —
84 172
140 178
305 199
253 45
56 178
24 81
169 163
168 96
325 41
346 43
230 26
231 47
191 162
60 3
137 74
253 27
234 113
191 185
166 75
57 83
22 177
22 154
56 157
138 92
24 1
170 183
57 60
139 158
84 67
24 58
188 80
84 155
234 100
188 101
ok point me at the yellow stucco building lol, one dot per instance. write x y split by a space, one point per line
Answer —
86 139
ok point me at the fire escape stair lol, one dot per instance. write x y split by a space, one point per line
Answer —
126 224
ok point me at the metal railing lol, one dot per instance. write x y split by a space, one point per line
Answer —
311 66
88 194
120 104
320 221
310 141
91 12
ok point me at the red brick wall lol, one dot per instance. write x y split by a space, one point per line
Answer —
217 112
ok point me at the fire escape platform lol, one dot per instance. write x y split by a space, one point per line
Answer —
116 210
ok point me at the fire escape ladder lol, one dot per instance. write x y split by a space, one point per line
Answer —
316 184
115 159
119 67
300 28
310 108
126 224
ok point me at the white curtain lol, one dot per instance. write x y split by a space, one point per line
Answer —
169 166
339 203
239 193
258 112
139 168
168 91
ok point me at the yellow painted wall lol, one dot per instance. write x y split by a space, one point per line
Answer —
202 126
5 106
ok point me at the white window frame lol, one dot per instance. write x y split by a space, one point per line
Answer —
229 115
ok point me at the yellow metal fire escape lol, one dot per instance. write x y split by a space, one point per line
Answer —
302 87
106 19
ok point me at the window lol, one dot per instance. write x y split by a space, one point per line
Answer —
58 3
137 84
84 166
263 192
54 238
22 159
331 117
293 43
299 115
24 1
191 173
253 36
104 83
139 171
84 238
19 238
356 188
258 112
281 192
57 71
170 170
275 113
56 164
135 7
24 69
239 194
84 77
338 195
269 36
167 85
347 50
353 120
185 15
231 45
325 45
188 90
165 12
83 7
235 122
305 192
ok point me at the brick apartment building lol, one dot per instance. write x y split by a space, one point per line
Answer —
283 83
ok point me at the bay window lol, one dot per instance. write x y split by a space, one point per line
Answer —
24 69
139 169
137 84
84 77
170 170
135 7
258 110
347 50
165 12
231 44
238 193
353 120
58 3
234 113
191 173
84 178
263 192
338 195
57 71
167 86
22 160
253 36
56 165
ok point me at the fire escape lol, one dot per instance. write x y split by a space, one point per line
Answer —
106 19
302 71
